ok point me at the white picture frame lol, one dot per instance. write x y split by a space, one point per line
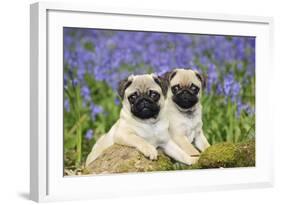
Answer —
47 182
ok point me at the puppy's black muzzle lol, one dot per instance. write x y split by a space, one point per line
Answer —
185 99
145 108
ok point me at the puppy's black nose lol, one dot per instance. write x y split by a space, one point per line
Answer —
185 94
143 102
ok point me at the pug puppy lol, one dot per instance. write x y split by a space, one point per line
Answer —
184 110
142 123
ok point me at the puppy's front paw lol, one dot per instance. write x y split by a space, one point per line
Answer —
149 151
194 160
191 160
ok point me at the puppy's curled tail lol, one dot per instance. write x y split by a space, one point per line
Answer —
102 144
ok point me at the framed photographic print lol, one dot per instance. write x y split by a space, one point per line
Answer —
123 97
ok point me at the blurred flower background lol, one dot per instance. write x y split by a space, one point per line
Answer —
96 60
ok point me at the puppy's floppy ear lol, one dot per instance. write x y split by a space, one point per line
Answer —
123 85
168 76
162 82
202 78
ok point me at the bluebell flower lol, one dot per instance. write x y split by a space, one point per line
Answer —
212 77
228 82
244 107
74 82
236 87
240 65
64 81
116 101
95 110
66 105
219 89
89 134
86 93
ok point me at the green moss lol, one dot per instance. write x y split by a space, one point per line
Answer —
228 155
245 154
220 155
163 163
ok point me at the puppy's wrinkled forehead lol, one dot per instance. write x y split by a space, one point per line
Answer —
142 84
185 77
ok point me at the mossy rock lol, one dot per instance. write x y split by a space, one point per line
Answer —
122 159
228 155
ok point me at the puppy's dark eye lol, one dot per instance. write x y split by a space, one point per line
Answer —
154 95
175 89
133 97
194 89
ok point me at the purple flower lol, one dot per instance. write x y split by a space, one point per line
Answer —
240 66
212 77
95 110
65 81
220 90
227 86
235 90
74 82
244 107
230 88
86 93
89 134
66 105
116 101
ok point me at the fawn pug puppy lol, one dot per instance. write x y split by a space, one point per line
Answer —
184 110
142 123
